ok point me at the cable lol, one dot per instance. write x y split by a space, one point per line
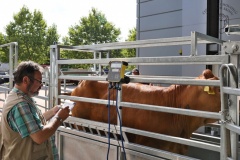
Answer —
116 86
120 121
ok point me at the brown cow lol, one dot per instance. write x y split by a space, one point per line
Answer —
179 96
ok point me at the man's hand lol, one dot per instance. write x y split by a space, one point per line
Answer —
63 113
49 129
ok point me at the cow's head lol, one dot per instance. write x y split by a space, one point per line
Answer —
205 98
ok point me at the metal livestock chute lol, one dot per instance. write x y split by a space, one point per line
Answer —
91 142
7 79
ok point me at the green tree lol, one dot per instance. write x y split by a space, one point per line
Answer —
132 51
131 37
32 34
4 51
93 29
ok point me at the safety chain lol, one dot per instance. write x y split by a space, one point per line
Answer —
228 117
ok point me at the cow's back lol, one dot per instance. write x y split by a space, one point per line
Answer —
188 97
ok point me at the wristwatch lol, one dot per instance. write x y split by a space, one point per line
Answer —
58 118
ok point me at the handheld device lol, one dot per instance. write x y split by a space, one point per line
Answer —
116 71
69 103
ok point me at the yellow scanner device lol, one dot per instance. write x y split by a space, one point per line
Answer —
116 71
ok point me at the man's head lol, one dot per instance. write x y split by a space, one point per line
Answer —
28 77
135 71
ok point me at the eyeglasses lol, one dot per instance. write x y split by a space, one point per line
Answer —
36 80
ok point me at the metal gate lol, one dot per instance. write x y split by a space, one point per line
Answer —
92 144
13 57
42 100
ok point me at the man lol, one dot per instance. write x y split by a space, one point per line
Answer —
25 133
135 71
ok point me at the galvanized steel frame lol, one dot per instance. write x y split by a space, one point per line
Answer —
229 76
193 40
13 62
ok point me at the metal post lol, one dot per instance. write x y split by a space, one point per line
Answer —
11 64
16 55
53 76
224 143
229 112
119 101
232 49
193 44
233 106
119 121
99 65
95 57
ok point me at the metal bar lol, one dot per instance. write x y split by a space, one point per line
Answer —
165 109
51 87
173 139
193 44
131 44
233 127
16 56
177 81
177 60
5 88
224 106
188 112
8 44
115 136
149 80
208 38
11 50
84 99
230 90
143 43
98 132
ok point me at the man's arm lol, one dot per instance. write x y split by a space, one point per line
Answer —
50 113
49 129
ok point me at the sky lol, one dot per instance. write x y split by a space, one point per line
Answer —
65 13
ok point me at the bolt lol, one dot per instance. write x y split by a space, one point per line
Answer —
229 102
235 47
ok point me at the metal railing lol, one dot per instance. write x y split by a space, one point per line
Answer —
193 40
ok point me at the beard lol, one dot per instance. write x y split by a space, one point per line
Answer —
32 93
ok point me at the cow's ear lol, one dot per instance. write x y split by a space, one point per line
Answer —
207 73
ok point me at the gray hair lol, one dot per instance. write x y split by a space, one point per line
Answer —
26 68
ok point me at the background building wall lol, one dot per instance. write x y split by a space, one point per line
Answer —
178 18
159 19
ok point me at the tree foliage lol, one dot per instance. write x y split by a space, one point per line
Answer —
128 53
131 37
93 29
34 37
32 34
4 51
